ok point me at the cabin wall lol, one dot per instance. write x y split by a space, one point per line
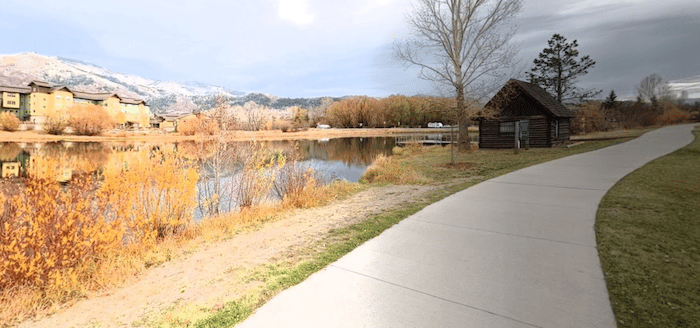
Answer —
564 126
541 133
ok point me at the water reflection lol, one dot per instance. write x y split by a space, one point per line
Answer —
220 164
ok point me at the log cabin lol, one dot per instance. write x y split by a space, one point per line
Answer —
540 119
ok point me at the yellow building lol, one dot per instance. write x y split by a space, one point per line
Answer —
15 100
46 100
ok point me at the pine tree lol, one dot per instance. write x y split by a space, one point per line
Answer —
557 71
611 100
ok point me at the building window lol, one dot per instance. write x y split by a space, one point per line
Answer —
507 127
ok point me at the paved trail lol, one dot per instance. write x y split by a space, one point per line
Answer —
515 251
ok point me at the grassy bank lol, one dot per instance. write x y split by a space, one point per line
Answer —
648 236
423 165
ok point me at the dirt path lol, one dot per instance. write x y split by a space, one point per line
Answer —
216 273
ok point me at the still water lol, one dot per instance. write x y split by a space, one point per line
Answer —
341 158
330 159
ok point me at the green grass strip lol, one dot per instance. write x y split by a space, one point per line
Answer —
648 235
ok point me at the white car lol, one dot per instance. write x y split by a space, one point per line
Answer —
434 125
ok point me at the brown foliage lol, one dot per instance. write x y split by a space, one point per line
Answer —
9 122
198 125
589 117
673 115
392 111
57 242
89 120
55 124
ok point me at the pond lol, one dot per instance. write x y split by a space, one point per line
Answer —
219 164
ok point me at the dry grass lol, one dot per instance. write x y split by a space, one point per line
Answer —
225 225
386 169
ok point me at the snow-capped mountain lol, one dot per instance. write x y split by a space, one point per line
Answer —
20 69
161 96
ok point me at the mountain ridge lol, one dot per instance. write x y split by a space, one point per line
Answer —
20 69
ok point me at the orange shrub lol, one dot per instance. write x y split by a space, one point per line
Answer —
197 125
89 120
55 124
51 236
672 115
9 122
154 193
56 241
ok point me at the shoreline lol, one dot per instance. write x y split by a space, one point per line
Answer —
312 133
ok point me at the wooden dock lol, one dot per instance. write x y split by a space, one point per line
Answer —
438 139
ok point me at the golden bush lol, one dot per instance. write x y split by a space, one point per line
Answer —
56 242
672 115
89 120
154 193
198 125
55 124
9 122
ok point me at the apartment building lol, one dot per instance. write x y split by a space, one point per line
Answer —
40 100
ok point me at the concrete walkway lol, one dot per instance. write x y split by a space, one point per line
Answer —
515 251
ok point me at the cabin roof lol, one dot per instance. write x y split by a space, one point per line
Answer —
546 101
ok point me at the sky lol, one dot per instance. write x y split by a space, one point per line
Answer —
310 48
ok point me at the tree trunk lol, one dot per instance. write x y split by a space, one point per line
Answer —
463 120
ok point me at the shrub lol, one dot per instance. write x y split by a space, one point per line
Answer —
56 242
673 115
9 122
198 125
89 120
257 175
55 124
589 117
51 235
285 127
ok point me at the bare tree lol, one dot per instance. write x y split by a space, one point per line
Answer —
461 44
253 116
222 113
653 88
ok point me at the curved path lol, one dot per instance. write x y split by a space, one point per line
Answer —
515 251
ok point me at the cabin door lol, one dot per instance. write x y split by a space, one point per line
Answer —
524 134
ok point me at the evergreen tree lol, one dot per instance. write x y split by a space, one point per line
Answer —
611 100
557 71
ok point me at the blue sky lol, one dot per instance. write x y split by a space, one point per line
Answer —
306 48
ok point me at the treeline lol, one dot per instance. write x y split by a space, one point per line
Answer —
393 111
610 114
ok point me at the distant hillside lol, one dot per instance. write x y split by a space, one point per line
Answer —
18 70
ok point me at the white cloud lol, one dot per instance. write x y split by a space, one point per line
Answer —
296 11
